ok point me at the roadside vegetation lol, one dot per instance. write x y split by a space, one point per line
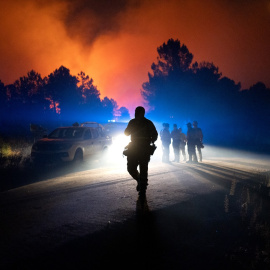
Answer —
14 152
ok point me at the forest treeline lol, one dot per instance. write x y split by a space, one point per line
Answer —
178 90
57 99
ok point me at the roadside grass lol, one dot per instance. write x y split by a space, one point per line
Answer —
14 152
15 164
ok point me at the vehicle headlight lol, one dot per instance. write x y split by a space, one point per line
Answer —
120 141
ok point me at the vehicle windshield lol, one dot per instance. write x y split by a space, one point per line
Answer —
66 133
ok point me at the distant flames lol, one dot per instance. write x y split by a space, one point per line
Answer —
54 105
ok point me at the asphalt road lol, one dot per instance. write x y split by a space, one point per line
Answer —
211 215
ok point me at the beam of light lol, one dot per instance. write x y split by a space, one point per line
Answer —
232 155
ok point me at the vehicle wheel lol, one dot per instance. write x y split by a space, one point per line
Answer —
78 157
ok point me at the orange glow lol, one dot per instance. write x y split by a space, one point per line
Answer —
234 35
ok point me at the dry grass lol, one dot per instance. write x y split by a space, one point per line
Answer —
14 152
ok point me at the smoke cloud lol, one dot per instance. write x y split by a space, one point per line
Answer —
115 42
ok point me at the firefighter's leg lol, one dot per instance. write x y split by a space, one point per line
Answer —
144 174
189 153
163 153
200 153
194 154
177 154
175 151
167 153
184 153
132 165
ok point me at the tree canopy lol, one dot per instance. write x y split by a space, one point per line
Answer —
180 91
59 98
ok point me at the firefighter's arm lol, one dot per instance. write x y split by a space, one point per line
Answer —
154 135
201 135
128 129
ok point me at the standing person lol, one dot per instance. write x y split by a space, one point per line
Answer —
143 134
165 137
191 144
183 142
175 135
198 139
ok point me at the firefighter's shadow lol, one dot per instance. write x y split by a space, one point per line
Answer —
142 207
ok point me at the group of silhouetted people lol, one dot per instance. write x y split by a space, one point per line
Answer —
143 135
179 140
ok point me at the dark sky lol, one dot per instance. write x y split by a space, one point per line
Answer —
115 41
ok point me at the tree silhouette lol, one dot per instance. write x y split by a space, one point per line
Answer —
29 94
29 86
124 114
61 87
3 94
168 88
90 103
255 114
3 100
172 57
88 91
108 108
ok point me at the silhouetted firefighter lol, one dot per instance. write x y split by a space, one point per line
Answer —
165 137
183 142
143 135
191 140
198 139
175 134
